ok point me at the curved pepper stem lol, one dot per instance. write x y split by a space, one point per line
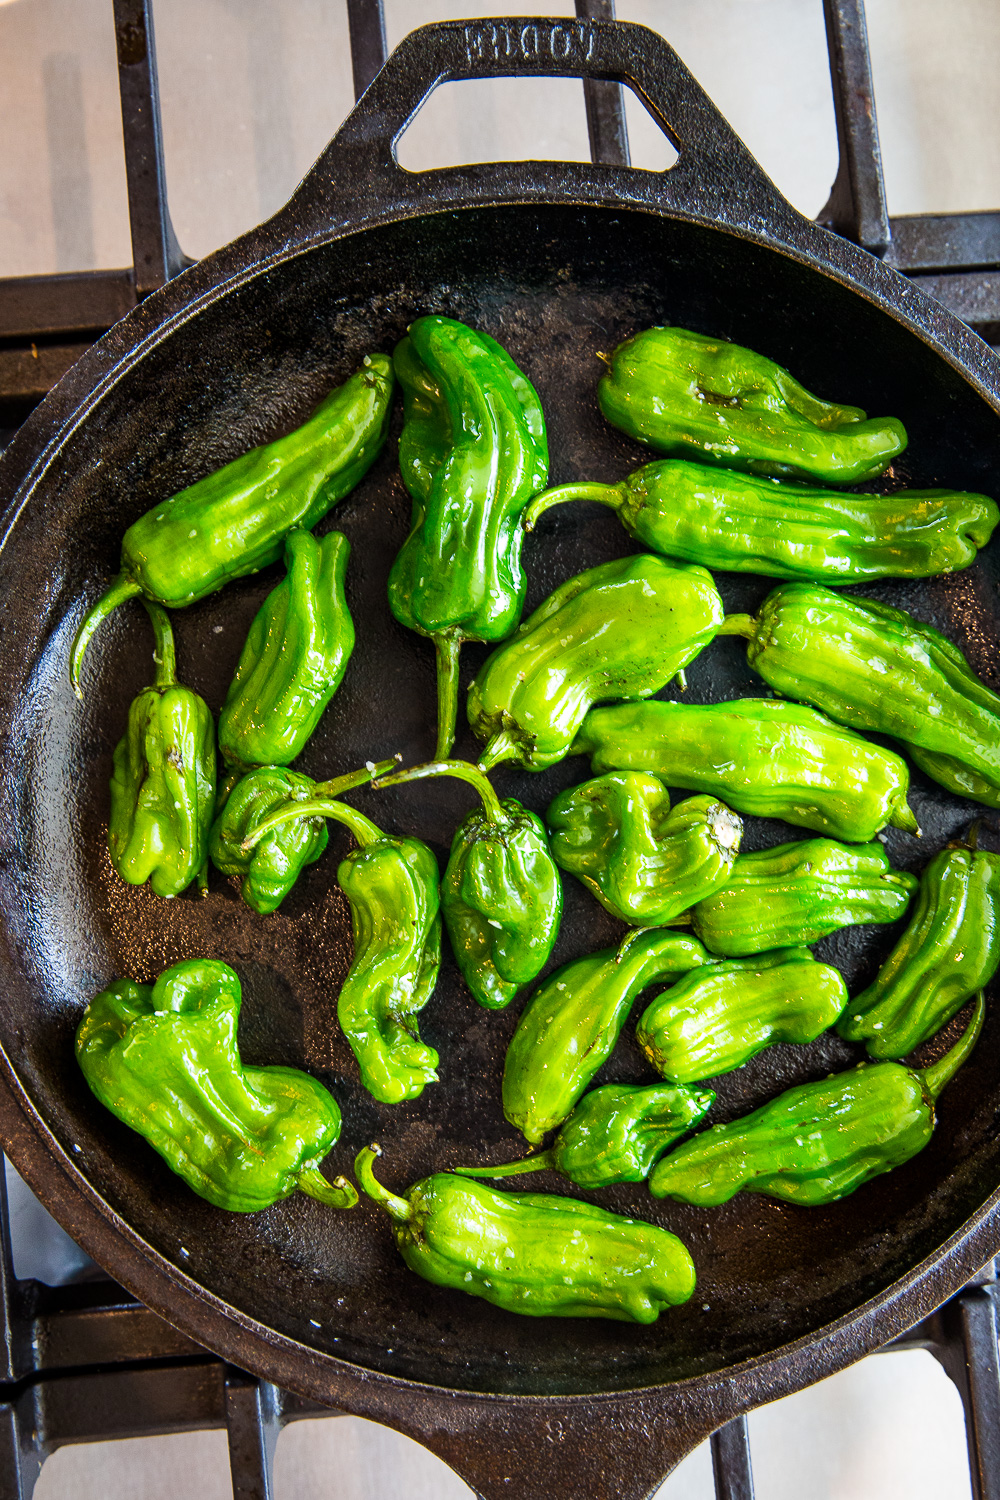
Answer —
369 771
745 625
939 1074
540 1162
612 495
462 770
121 589
364 830
165 653
336 1194
396 1207
447 648
500 748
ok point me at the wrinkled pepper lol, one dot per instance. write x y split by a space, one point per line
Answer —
472 453
235 521
620 630
163 1058
501 896
767 758
533 1253
703 398
819 1141
717 1018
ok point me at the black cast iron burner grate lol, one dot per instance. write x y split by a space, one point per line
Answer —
87 1363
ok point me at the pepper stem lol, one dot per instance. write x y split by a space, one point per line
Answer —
397 1208
164 652
904 817
604 494
364 830
337 1194
447 648
354 778
121 589
540 1162
501 747
462 770
738 625
939 1074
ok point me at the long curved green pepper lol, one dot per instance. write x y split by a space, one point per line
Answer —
533 1253
163 781
501 896
235 521
704 398
820 1141
472 453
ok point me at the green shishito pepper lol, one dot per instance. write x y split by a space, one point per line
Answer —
767 758
703 398
163 1058
235 521
615 1134
644 862
716 1019
950 949
295 655
747 524
819 1141
877 668
620 630
569 1027
533 1253
391 885
797 893
472 453
163 781
501 896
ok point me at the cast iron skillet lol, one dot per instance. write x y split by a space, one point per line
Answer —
557 262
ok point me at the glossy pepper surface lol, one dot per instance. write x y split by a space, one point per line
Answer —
569 1027
163 1058
819 1141
703 398
235 521
797 893
501 896
877 668
163 780
620 630
717 1018
295 655
950 949
766 757
533 1253
747 524
472 453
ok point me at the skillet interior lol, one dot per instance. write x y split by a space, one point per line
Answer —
554 284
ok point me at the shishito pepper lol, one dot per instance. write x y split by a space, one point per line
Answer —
747 524
235 521
767 758
472 453
950 949
501 896
295 655
163 781
533 1253
717 1018
644 861
877 668
703 398
620 630
569 1027
819 1141
163 1058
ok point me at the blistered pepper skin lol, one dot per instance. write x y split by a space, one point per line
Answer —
700 397
271 868
763 756
644 861
950 949
716 1019
620 630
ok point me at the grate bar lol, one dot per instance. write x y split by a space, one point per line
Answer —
731 1461
856 207
604 100
366 24
254 1423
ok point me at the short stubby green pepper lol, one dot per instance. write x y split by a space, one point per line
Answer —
569 1027
620 630
717 1018
819 1141
533 1253
163 781
501 896
235 521
767 758
950 949
295 655
616 1134
798 893
644 862
163 1058
877 668
472 453
703 398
